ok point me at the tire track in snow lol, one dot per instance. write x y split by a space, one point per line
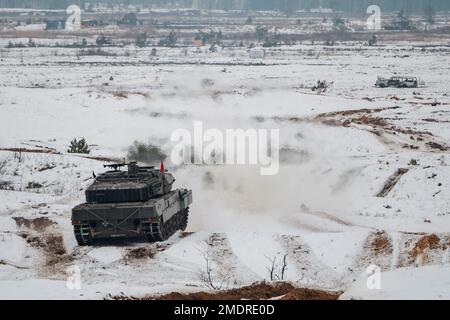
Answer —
228 267
312 271
319 221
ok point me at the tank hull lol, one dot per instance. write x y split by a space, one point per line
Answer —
154 220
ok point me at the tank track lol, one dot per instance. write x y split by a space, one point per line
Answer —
153 232
161 231
83 235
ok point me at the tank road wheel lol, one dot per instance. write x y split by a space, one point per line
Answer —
147 231
159 231
164 230
83 235
184 218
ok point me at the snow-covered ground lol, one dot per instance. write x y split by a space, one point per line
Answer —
330 210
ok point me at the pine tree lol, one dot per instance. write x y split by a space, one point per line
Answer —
79 146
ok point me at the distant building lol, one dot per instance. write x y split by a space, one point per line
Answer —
55 25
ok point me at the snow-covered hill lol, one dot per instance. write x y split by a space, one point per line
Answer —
364 177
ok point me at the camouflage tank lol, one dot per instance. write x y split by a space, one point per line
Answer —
136 203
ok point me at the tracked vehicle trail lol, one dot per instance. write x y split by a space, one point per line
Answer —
391 182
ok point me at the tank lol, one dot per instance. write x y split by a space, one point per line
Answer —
134 203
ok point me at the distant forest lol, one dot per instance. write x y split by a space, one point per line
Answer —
348 6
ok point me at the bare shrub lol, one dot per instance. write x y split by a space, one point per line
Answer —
212 279
140 253
33 185
277 272
322 86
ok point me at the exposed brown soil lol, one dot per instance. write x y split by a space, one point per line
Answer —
102 159
425 244
35 242
52 151
186 234
377 249
435 120
368 120
256 291
55 244
413 233
140 253
381 243
438 146
51 244
347 113
47 167
38 224
391 182
26 150
55 250
120 94
364 117
422 249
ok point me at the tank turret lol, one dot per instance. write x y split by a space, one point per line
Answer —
134 185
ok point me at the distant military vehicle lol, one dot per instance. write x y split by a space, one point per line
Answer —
136 203
397 82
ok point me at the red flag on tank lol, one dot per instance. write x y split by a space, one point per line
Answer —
162 167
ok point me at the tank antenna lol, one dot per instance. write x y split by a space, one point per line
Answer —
162 167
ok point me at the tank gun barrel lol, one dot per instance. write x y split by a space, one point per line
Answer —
117 166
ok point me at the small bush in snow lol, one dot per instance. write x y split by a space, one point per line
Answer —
321 86
80 146
6 185
34 185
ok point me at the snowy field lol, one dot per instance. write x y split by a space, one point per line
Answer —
364 176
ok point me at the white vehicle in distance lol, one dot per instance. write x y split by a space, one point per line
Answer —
397 82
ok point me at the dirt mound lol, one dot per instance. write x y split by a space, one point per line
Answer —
424 245
256 291
378 249
140 253
423 249
38 224
381 243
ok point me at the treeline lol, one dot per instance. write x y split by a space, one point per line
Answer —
348 6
